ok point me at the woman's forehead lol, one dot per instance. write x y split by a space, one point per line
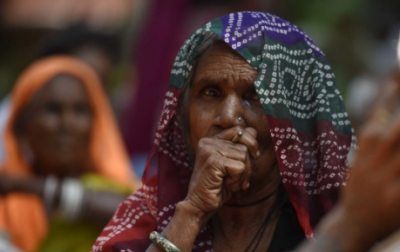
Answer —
61 88
222 53
220 61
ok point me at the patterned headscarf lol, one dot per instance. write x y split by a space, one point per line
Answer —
307 119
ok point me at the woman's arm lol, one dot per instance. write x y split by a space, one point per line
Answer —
183 228
95 206
221 167
336 233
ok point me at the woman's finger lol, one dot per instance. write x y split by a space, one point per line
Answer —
381 132
239 152
386 105
249 139
228 133
245 176
235 172
233 151
245 136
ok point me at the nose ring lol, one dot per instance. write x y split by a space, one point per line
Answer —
239 118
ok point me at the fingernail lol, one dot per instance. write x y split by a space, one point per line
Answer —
248 185
258 153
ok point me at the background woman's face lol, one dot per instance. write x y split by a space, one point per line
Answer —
222 90
58 125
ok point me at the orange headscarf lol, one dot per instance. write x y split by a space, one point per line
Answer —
23 215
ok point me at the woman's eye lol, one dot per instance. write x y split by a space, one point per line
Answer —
52 108
253 97
211 92
82 109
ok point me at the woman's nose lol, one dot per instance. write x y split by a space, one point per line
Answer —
68 120
230 112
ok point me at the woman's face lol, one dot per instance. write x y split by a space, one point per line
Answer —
222 90
59 125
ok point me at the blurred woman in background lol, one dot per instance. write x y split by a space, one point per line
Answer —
65 160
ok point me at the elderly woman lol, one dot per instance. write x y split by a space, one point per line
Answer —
66 170
251 146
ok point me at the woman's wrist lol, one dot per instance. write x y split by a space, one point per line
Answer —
184 226
196 217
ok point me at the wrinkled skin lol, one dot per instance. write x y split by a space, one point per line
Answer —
223 90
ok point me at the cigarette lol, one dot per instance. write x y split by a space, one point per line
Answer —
237 136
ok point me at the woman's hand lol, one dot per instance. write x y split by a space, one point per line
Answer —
371 201
221 168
